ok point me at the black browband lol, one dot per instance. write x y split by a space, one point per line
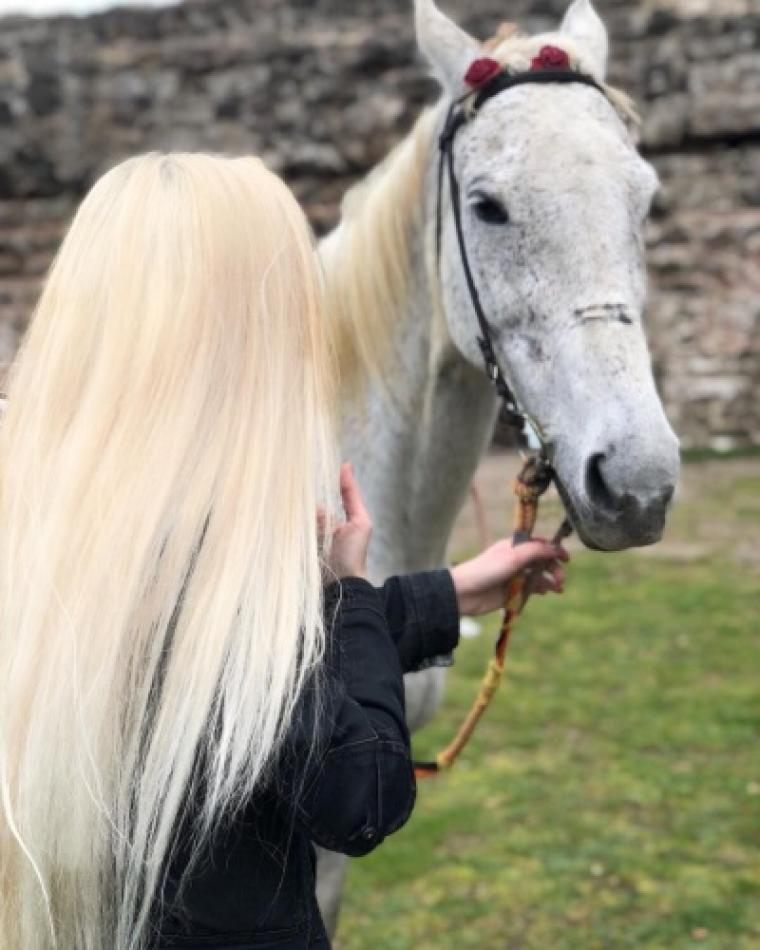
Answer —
459 114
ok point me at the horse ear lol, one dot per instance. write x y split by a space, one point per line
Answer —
448 49
582 23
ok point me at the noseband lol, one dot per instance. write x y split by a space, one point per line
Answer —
461 112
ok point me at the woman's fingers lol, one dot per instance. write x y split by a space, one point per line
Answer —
482 582
554 574
353 503
546 578
532 553
326 525
350 538
549 580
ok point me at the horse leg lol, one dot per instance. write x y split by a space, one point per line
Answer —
331 876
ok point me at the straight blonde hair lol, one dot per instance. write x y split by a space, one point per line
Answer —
168 437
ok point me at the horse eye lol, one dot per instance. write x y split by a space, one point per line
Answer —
490 211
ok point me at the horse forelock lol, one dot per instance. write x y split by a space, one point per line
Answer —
515 51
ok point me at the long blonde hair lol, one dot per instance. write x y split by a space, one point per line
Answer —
167 440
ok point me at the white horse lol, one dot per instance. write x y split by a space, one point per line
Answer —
554 201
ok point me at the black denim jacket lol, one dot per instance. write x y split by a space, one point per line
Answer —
255 883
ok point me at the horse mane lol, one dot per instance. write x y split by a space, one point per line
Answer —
367 260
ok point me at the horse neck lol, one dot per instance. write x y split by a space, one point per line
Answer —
418 443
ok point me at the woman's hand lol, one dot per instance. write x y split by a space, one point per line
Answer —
481 583
350 538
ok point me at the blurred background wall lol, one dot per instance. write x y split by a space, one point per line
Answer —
323 88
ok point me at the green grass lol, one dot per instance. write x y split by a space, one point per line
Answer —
690 456
610 797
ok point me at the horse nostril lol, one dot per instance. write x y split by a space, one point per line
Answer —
624 503
596 486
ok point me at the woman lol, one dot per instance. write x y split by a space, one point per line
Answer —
184 705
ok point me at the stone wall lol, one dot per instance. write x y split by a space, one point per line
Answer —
323 88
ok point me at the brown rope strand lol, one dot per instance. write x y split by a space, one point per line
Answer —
533 480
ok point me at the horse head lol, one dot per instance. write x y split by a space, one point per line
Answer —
554 200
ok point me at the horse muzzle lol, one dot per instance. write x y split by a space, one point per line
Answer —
617 502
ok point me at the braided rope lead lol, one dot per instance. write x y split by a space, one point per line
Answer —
533 480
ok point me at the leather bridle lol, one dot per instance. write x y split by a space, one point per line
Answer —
462 111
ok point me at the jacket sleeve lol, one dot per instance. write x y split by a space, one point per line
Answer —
347 765
423 618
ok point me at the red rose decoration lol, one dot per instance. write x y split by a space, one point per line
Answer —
481 71
550 57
